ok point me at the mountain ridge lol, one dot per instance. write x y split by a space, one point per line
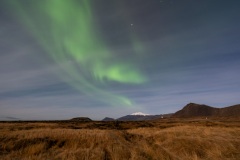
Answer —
143 118
202 110
139 114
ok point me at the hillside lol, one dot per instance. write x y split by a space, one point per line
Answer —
232 111
201 110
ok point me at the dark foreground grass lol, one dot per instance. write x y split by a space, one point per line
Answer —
167 139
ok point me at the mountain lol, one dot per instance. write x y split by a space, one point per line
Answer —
138 116
201 110
108 119
231 111
81 119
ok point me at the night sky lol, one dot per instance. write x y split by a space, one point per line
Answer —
95 58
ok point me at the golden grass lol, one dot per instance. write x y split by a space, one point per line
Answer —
158 141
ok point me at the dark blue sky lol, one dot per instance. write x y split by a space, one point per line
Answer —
189 51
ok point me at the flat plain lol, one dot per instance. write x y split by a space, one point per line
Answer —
165 139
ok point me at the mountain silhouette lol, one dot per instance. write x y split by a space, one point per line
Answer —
82 119
201 110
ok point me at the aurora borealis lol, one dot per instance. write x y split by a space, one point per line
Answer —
108 57
66 31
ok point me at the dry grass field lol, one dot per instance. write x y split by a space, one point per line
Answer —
155 140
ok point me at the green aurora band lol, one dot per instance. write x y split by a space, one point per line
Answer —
65 29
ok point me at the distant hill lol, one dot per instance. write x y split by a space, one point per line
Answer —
108 119
139 114
201 110
8 118
81 119
142 117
